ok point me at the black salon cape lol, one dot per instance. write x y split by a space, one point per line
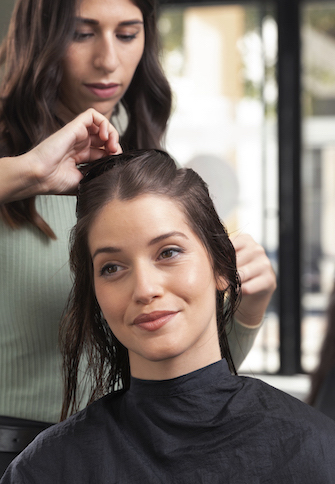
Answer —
205 427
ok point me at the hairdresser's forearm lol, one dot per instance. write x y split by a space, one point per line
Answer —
19 178
253 306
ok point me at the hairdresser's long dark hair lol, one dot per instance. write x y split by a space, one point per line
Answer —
38 36
84 333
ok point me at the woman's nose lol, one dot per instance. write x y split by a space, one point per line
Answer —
106 56
148 284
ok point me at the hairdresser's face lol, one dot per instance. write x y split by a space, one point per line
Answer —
102 58
155 286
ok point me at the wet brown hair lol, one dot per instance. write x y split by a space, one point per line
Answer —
84 333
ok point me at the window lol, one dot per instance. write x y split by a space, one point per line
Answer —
221 62
318 172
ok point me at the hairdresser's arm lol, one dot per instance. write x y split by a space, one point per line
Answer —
51 167
258 284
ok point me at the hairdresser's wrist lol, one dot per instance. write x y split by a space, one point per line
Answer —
255 324
251 312
19 178
39 171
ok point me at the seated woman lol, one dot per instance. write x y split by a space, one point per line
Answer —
155 284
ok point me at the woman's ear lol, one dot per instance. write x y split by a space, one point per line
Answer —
221 283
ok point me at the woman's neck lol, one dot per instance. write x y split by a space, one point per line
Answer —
174 367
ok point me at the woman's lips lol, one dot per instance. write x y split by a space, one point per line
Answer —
103 90
154 320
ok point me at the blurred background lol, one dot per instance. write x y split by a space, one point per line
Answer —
254 86
254 113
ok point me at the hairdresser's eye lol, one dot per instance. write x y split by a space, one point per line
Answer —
126 37
81 36
169 253
110 269
128 33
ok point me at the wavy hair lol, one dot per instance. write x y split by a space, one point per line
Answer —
84 334
39 34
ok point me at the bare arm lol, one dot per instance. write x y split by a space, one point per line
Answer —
51 167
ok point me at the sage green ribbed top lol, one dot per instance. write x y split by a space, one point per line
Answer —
34 286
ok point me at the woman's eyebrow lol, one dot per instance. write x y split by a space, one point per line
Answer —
114 250
166 236
106 250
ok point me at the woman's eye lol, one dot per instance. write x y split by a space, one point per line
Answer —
110 269
169 253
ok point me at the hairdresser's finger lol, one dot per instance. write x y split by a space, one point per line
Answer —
255 266
263 284
118 149
105 129
108 138
246 246
106 132
112 147
97 153
239 240
250 256
112 144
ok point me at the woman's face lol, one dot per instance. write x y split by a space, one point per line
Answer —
102 58
155 286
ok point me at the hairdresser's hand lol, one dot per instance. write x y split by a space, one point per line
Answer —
88 137
51 167
257 277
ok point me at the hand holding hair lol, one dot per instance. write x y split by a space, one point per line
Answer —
51 167
257 277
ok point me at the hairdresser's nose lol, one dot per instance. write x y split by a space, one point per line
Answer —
148 283
106 56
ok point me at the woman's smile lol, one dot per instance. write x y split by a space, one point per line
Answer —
155 320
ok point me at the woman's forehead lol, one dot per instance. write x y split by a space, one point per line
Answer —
148 216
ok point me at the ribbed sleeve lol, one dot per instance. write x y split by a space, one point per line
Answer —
34 286
240 339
